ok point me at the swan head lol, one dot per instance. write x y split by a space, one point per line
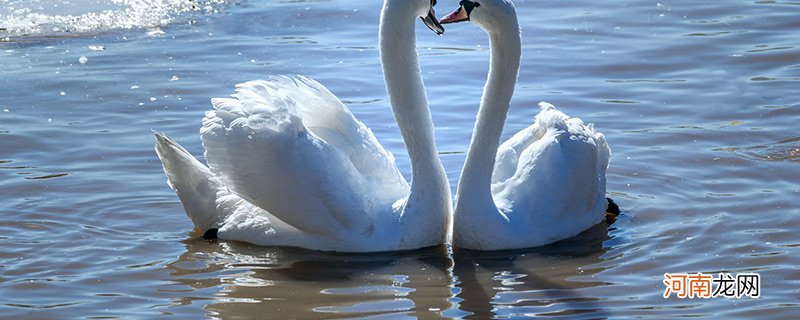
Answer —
424 10
487 14
400 10
429 18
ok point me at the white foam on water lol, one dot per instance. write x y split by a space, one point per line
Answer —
37 17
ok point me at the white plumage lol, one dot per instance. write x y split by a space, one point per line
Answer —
289 146
544 184
289 164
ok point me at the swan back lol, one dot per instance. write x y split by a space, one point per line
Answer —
325 116
290 147
550 176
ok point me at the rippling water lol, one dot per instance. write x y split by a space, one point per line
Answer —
698 99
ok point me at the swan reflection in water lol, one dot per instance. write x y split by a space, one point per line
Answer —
249 281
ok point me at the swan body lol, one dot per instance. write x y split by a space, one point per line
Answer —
544 184
289 164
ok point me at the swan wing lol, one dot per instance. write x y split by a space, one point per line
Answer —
290 147
553 172
210 205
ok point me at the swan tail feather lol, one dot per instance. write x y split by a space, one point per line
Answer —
195 185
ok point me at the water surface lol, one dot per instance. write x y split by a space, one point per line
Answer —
698 100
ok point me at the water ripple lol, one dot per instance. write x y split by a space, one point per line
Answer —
698 102
784 150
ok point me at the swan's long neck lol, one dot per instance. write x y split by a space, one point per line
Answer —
406 91
427 210
476 176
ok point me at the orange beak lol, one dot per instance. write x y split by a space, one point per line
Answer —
456 16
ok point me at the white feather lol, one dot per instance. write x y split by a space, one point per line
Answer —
289 164
545 183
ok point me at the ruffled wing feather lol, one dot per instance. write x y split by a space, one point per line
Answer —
554 172
289 146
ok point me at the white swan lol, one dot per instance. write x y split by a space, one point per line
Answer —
289 165
545 183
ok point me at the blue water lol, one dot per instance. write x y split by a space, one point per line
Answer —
698 101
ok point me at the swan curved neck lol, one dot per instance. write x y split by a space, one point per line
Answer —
476 176
427 208
406 90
